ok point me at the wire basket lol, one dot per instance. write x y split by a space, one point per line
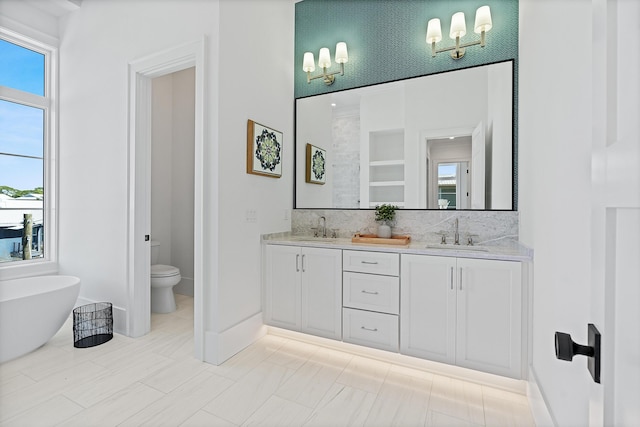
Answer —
92 324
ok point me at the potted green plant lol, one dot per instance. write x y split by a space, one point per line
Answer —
385 214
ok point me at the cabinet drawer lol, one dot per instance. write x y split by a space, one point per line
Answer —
368 328
371 262
371 292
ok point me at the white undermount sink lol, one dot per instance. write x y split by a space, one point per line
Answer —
458 248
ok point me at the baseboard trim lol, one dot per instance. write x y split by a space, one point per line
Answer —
119 315
220 346
491 380
537 402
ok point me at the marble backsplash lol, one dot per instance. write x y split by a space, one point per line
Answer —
424 226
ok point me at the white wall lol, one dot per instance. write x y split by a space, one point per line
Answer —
161 164
250 75
255 75
499 133
555 110
182 186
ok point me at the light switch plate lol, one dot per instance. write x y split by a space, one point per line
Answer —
251 216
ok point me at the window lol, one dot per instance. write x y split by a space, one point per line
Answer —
26 139
447 174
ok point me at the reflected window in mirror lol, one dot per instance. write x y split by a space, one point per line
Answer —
453 185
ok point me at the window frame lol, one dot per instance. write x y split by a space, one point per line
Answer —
49 104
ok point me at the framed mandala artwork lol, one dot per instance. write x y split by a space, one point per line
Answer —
316 165
264 150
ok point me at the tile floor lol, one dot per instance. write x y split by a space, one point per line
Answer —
154 380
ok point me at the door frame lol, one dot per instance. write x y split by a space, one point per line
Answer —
141 72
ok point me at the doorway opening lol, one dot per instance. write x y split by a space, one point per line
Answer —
141 75
452 170
449 185
172 187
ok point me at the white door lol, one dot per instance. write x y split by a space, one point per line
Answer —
463 187
615 293
282 286
489 316
322 292
477 167
428 307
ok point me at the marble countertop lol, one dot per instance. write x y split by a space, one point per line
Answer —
506 250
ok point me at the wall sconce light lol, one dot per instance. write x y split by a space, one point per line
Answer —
458 30
324 62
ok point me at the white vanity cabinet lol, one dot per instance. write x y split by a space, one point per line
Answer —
370 299
303 289
461 311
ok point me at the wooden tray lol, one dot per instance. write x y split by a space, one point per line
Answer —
374 239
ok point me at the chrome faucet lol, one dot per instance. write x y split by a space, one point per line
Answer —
324 226
456 236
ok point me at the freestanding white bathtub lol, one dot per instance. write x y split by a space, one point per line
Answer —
32 310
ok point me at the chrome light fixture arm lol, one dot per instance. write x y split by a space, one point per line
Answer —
458 49
327 78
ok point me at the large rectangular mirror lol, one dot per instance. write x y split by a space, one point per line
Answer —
441 141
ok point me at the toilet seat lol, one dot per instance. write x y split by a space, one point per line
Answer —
161 270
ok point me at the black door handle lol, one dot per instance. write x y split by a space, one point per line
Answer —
566 348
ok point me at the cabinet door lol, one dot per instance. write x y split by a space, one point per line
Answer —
427 307
489 316
322 292
282 286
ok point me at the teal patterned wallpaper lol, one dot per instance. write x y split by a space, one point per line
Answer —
386 42
386 38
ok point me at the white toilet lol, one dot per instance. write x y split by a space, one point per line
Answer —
163 279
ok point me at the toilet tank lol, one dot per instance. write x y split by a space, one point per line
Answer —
155 251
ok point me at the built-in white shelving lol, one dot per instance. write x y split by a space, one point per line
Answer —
386 167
